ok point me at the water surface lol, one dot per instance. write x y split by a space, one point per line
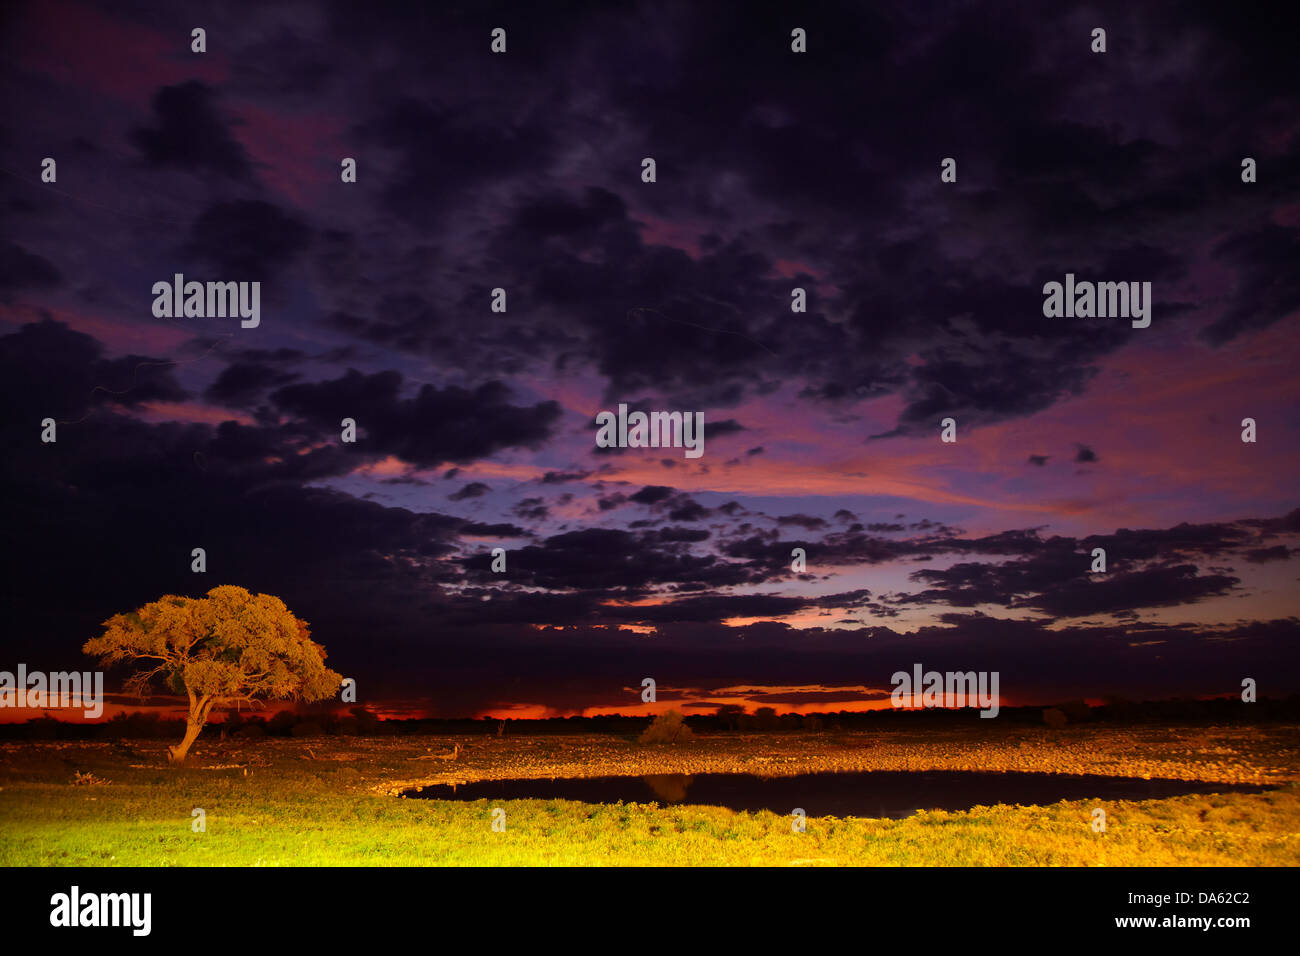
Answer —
877 793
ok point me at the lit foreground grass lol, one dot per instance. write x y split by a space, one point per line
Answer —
332 802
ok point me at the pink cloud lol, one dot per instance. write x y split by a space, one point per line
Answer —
82 47
297 155
192 412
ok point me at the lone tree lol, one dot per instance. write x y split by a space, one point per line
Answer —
229 647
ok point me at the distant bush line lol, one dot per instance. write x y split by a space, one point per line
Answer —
361 722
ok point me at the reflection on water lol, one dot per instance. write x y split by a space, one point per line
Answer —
882 793
668 787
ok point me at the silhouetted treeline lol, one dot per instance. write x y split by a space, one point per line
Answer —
361 722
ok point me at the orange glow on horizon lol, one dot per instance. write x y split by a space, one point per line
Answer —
748 697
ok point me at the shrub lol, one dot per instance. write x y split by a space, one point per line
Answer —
667 728
1076 711
1054 718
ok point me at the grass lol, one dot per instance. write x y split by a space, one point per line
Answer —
334 801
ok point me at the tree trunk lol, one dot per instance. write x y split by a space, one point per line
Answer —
199 707
178 753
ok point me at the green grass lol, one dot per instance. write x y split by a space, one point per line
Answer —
330 802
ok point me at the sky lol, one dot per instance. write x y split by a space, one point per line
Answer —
775 170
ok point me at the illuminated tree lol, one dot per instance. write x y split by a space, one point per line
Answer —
227 648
